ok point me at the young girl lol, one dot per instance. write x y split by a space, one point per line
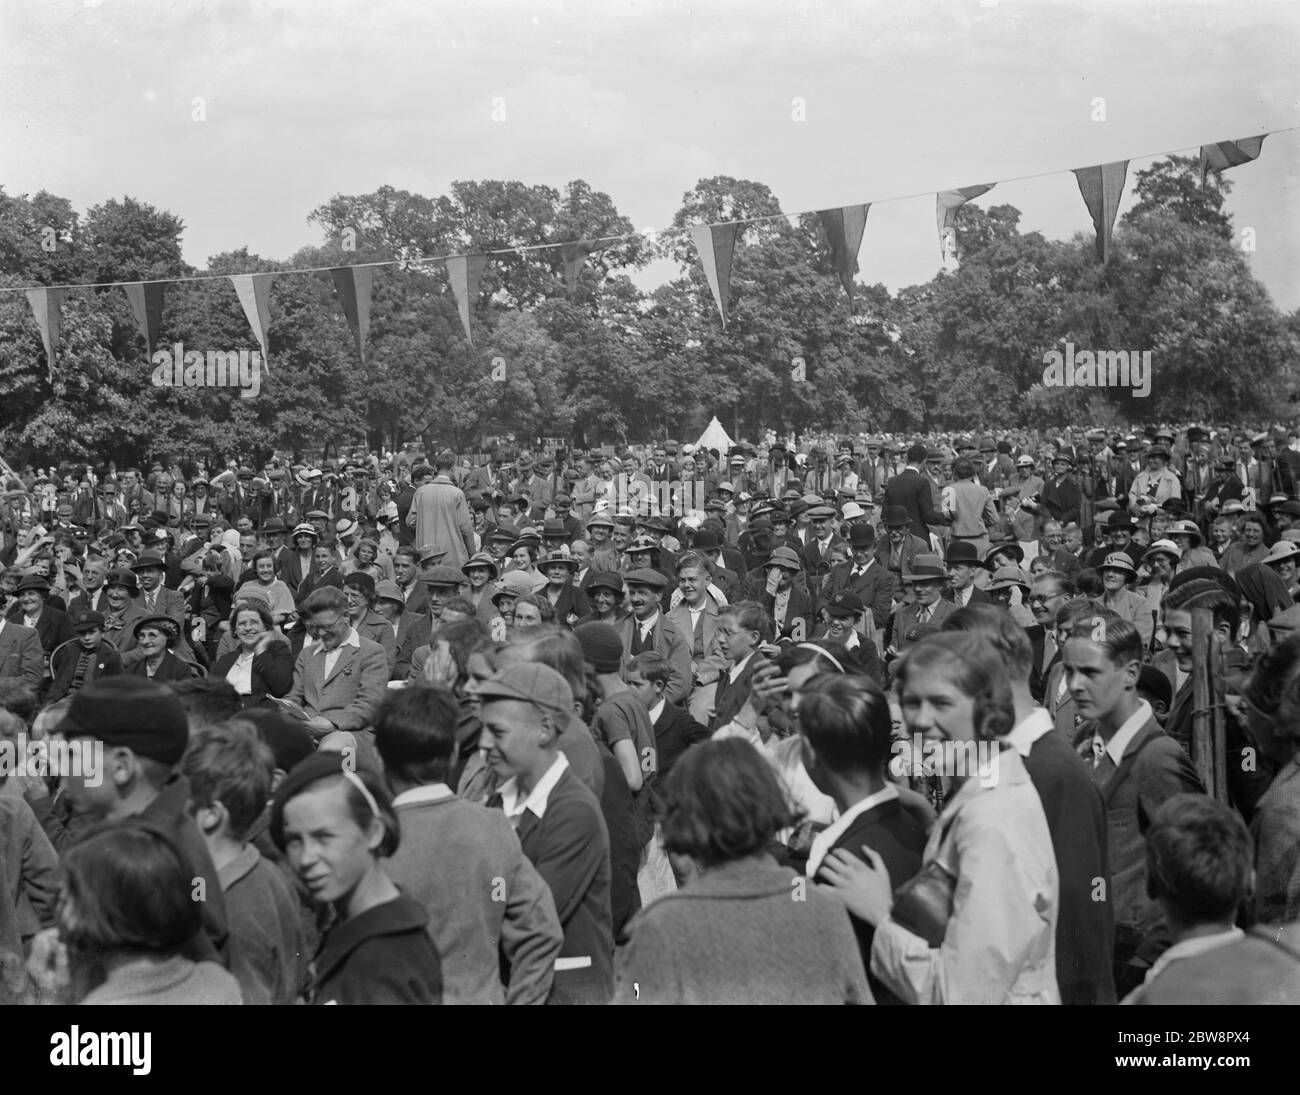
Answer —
336 825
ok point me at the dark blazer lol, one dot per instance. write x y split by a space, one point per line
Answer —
53 628
569 846
815 562
904 630
383 956
1076 818
171 669
1154 768
876 587
571 601
897 832
21 657
675 732
730 698
104 662
618 810
87 602
288 567
1037 671
911 490
977 597
272 673
801 607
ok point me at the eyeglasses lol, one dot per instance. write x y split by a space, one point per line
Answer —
1043 598
322 628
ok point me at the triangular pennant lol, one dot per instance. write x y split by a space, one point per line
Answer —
464 271
844 228
255 295
716 244
946 205
45 304
353 284
1225 154
146 299
1101 188
574 256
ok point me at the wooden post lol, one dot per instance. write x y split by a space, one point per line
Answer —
1207 705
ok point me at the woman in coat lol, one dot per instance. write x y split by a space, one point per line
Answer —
156 638
994 939
262 663
335 826
743 930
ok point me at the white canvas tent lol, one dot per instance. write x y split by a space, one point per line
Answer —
714 437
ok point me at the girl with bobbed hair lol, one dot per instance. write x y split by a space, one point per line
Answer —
1271 698
335 826
126 914
744 930
978 924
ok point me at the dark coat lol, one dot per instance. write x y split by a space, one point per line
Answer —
801 607
272 673
876 587
730 698
1076 817
675 732
104 662
912 490
572 601
383 956
53 628
171 668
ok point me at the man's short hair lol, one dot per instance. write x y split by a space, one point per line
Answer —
444 461
999 629
325 599
409 551
751 616
1199 859
652 666
230 764
847 722
916 454
415 733
694 559
1225 609
1114 634
208 701
1063 583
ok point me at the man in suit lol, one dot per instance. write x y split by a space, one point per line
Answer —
21 659
913 622
821 542
156 599
900 545
708 543
845 738
340 680
1135 763
441 584
1061 498
648 629
963 562
865 576
911 490
558 820
696 619
742 628
1050 592
1076 816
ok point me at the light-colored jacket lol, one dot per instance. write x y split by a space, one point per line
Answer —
1277 848
440 515
350 696
1000 946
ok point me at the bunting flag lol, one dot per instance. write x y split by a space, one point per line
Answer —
255 295
1101 187
146 299
45 305
464 271
1226 154
946 205
353 284
716 244
574 256
844 228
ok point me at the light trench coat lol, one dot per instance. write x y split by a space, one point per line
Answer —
1000 946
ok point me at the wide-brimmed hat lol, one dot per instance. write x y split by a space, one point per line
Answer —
120 576
1282 551
388 590
1163 547
552 558
925 567
1008 578
304 529
1010 547
481 559
33 583
1118 560
515 584
785 558
165 624
149 560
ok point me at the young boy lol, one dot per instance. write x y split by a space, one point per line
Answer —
229 771
84 658
675 731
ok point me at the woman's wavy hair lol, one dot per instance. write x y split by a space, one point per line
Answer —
975 668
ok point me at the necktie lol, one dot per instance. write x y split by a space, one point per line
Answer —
922 614
1102 766
698 648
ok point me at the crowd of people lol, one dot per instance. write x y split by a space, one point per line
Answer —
658 724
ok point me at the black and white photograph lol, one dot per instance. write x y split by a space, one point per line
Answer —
646 502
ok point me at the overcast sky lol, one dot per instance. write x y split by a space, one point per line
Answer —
305 100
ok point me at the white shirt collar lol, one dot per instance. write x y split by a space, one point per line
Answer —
737 669
646 625
824 841
1125 734
353 639
537 798
1028 730
1190 948
430 792
656 711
